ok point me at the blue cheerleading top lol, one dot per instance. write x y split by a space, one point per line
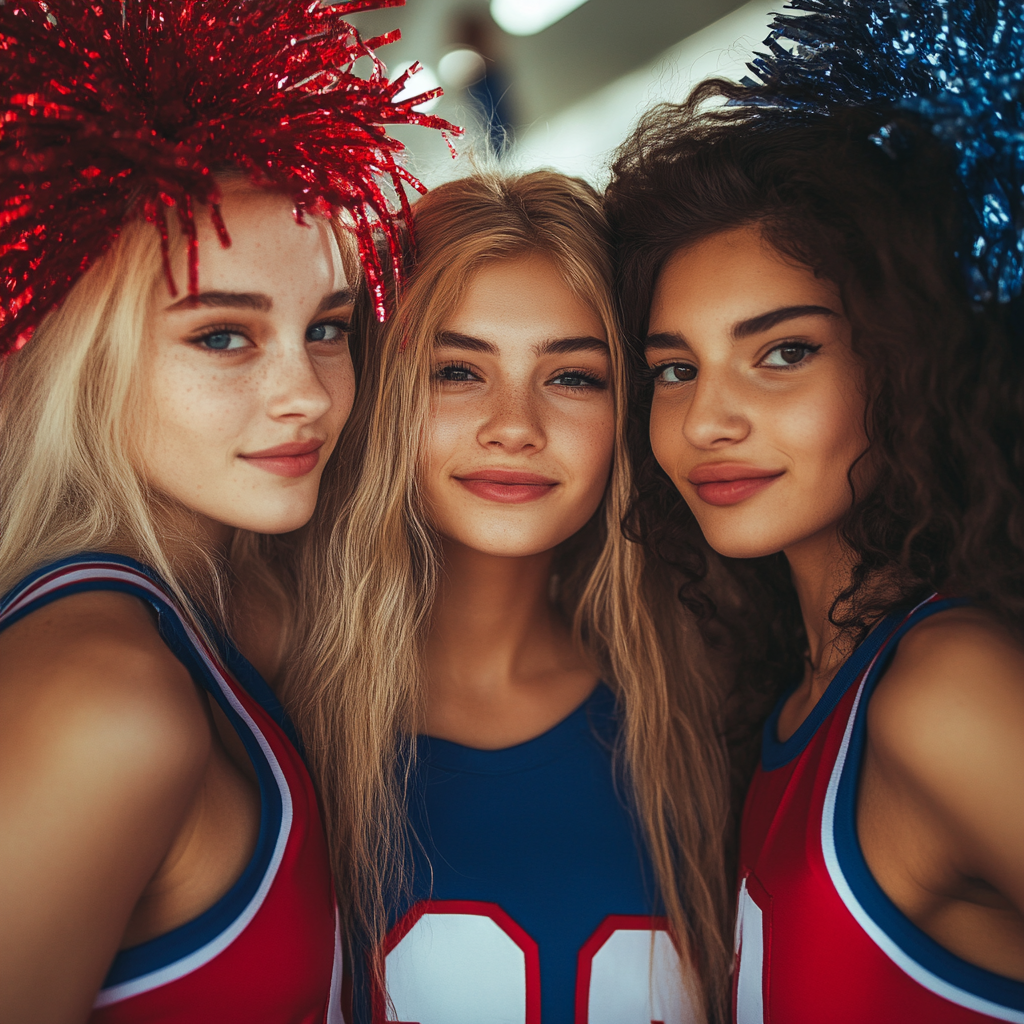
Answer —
532 897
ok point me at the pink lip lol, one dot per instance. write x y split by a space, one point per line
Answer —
728 483
297 458
510 487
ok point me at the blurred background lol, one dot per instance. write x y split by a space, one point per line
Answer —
556 83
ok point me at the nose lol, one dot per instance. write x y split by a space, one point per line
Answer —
512 421
294 388
715 417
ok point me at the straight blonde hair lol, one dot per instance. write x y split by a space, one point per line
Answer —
68 479
372 563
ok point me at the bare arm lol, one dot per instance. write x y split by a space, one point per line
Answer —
103 743
946 762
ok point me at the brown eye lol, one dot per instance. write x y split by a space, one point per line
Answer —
676 373
788 355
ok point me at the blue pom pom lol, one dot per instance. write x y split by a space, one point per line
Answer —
958 64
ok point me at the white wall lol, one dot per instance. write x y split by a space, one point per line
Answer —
581 139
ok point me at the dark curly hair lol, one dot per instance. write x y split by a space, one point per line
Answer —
944 508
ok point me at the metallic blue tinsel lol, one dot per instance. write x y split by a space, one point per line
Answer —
957 63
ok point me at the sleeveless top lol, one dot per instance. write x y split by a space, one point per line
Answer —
816 937
267 952
532 898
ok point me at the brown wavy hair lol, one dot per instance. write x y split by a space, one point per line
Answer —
943 508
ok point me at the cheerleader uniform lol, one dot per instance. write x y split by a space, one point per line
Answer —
532 898
816 937
267 952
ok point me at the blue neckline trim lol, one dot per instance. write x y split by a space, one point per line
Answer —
184 940
775 752
920 947
596 713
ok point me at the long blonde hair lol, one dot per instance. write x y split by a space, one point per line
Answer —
68 482
372 565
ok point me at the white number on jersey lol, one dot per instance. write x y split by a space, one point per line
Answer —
750 950
463 963
634 976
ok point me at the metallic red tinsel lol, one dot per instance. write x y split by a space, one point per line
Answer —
111 109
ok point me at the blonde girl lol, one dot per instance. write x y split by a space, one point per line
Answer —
513 734
174 376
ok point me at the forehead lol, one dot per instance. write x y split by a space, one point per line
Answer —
732 276
269 253
508 300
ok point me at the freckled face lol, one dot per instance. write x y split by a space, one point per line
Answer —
758 409
522 422
246 389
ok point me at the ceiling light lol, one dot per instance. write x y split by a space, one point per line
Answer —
459 69
527 17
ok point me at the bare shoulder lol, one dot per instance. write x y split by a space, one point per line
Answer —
952 699
104 746
89 673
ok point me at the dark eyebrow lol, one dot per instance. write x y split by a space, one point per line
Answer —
345 297
452 339
665 339
766 321
557 346
566 346
225 300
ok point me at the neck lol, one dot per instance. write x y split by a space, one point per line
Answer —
500 663
492 621
820 568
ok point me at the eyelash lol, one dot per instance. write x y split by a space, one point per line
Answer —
652 373
344 326
590 379
209 332
808 347
455 365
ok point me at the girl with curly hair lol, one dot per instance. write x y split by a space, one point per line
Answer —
834 465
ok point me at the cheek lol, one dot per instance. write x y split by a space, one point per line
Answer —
584 441
193 415
452 429
825 433
668 442
339 380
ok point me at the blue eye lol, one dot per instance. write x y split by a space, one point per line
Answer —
223 341
455 373
676 373
330 331
577 379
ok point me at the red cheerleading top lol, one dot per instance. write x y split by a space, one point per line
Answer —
817 940
268 951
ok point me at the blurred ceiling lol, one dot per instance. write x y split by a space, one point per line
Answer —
593 45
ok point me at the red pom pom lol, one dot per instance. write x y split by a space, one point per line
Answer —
112 109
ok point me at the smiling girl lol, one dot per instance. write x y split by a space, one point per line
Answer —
162 857
515 743
843 427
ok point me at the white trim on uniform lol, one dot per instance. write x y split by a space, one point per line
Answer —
205 953
906 963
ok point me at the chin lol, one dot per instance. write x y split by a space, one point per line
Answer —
273 520
750 543
504 544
